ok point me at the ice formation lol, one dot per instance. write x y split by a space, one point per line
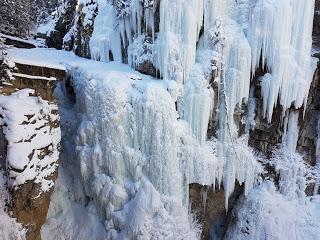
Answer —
267 214
137 142
291 131
271 212
284 50
25 122
136 169
105 41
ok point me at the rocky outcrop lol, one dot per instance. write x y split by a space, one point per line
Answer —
30 206
208 205
308 134
63 26
265 135
84 20
31 183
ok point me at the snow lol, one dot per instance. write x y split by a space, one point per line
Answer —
16 38
33 77
267 214
25 122
42 57
282 212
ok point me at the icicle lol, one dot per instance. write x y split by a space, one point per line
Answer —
226 36
180 25
291 131
197 102
204 197
149 21
285 49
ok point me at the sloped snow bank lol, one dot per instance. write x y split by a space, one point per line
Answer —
68 219
267 214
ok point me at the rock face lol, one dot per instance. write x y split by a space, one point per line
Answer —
30 206
316 23
62 27
265 135
84 27
30 184
309 127
209 208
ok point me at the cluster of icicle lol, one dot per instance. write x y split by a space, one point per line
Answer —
229 38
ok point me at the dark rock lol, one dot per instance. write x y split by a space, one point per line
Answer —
208 205
84 29
309 124
62 27
30 208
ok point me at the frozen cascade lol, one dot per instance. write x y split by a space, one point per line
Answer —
197 99
235 44
180 25
236 71
105 40
225 36
140 137
121 149
113 32
284 49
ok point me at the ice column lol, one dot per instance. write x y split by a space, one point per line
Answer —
105 41
180 25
